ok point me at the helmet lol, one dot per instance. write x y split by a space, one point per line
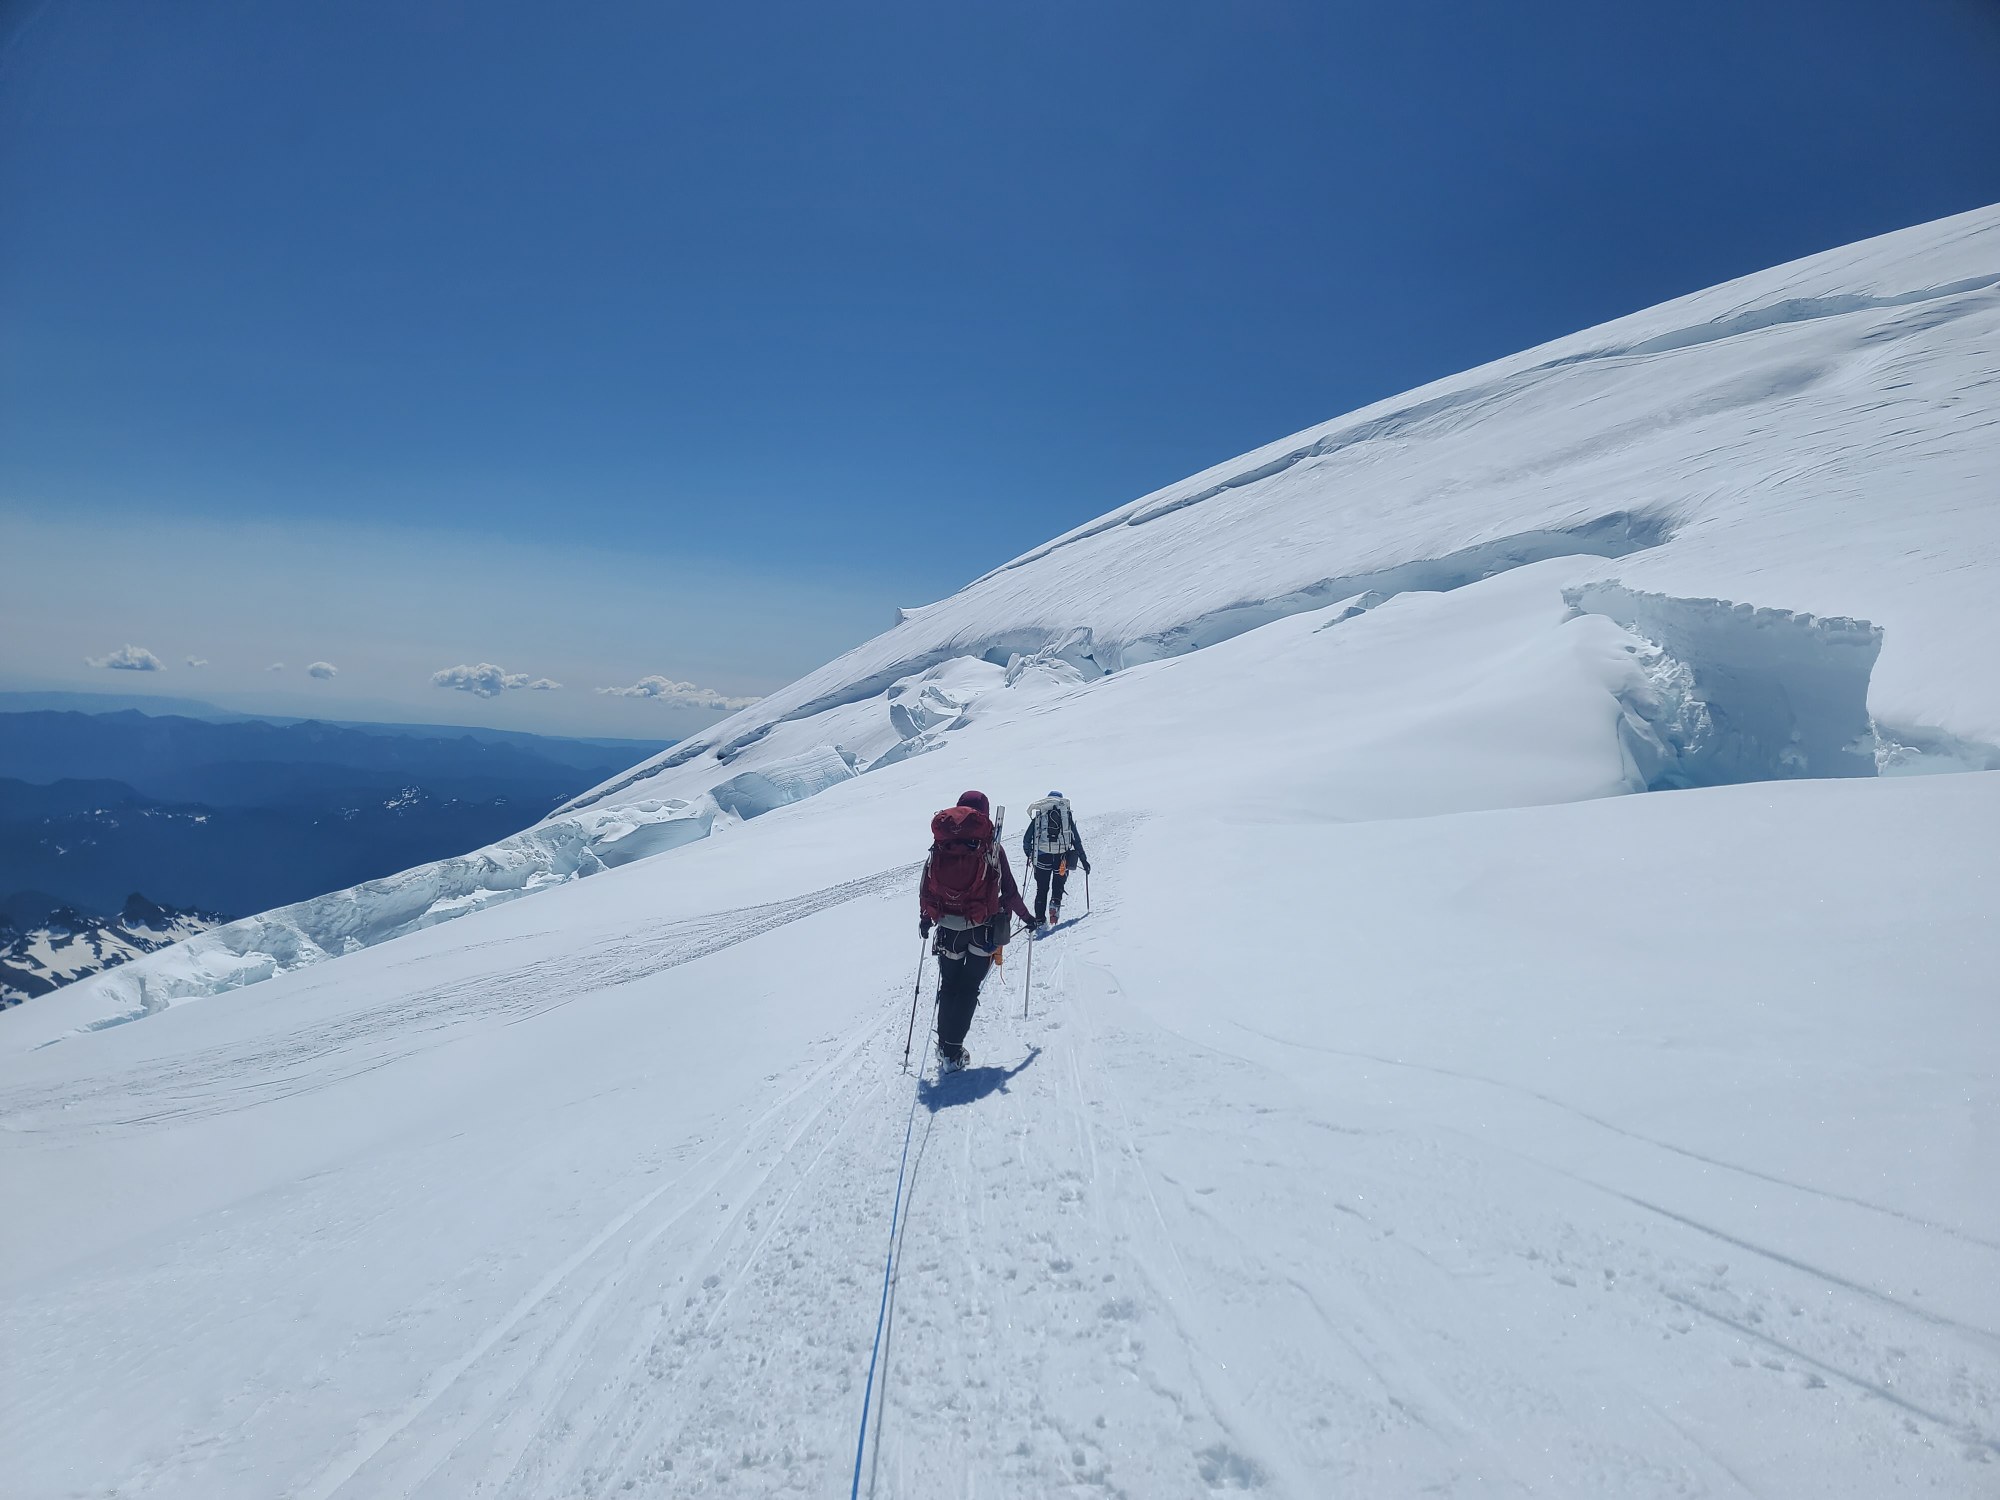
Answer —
1055 794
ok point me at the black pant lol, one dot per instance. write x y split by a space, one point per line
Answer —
1044 889
958 996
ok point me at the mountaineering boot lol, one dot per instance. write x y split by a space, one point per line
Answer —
1055 915
952 1059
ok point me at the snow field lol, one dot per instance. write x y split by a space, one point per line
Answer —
1524 1153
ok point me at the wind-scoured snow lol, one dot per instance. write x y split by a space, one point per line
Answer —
1405 1105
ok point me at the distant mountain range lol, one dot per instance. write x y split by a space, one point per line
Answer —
237 815
175 756
153 705
44 944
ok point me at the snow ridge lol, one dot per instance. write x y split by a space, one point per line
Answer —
1613 535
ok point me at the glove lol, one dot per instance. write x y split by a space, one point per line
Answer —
923 927
1086 865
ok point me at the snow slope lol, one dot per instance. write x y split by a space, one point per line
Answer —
1818 439
1728 444
1415 1111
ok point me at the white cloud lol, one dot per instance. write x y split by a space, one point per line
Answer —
197 661
323 670
484 680
489 681
677 694
128 659
276 666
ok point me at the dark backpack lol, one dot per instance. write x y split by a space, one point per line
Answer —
964 875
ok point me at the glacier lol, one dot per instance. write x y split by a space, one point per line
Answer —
1530 1033
1720 446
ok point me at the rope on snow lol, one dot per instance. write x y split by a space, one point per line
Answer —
888 1264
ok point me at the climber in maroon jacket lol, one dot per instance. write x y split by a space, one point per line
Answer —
967 893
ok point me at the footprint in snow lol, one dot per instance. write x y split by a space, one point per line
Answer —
1223 1468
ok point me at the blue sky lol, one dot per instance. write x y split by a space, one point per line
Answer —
609 342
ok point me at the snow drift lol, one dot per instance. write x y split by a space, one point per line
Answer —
1735 694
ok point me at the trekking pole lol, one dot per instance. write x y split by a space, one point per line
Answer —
923 952
1086 891
1028 980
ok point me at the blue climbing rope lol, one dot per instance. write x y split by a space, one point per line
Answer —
888 1263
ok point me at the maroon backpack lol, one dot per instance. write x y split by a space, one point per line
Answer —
962 878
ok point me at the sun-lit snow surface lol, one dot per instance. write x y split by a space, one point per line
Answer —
1415 1112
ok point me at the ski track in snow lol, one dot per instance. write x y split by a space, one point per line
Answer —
1069 1318
1929 1225
737 1368
304 1061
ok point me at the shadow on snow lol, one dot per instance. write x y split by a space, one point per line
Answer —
970 1084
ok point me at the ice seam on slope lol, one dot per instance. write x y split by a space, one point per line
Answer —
1611 535
1617 534
999 648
